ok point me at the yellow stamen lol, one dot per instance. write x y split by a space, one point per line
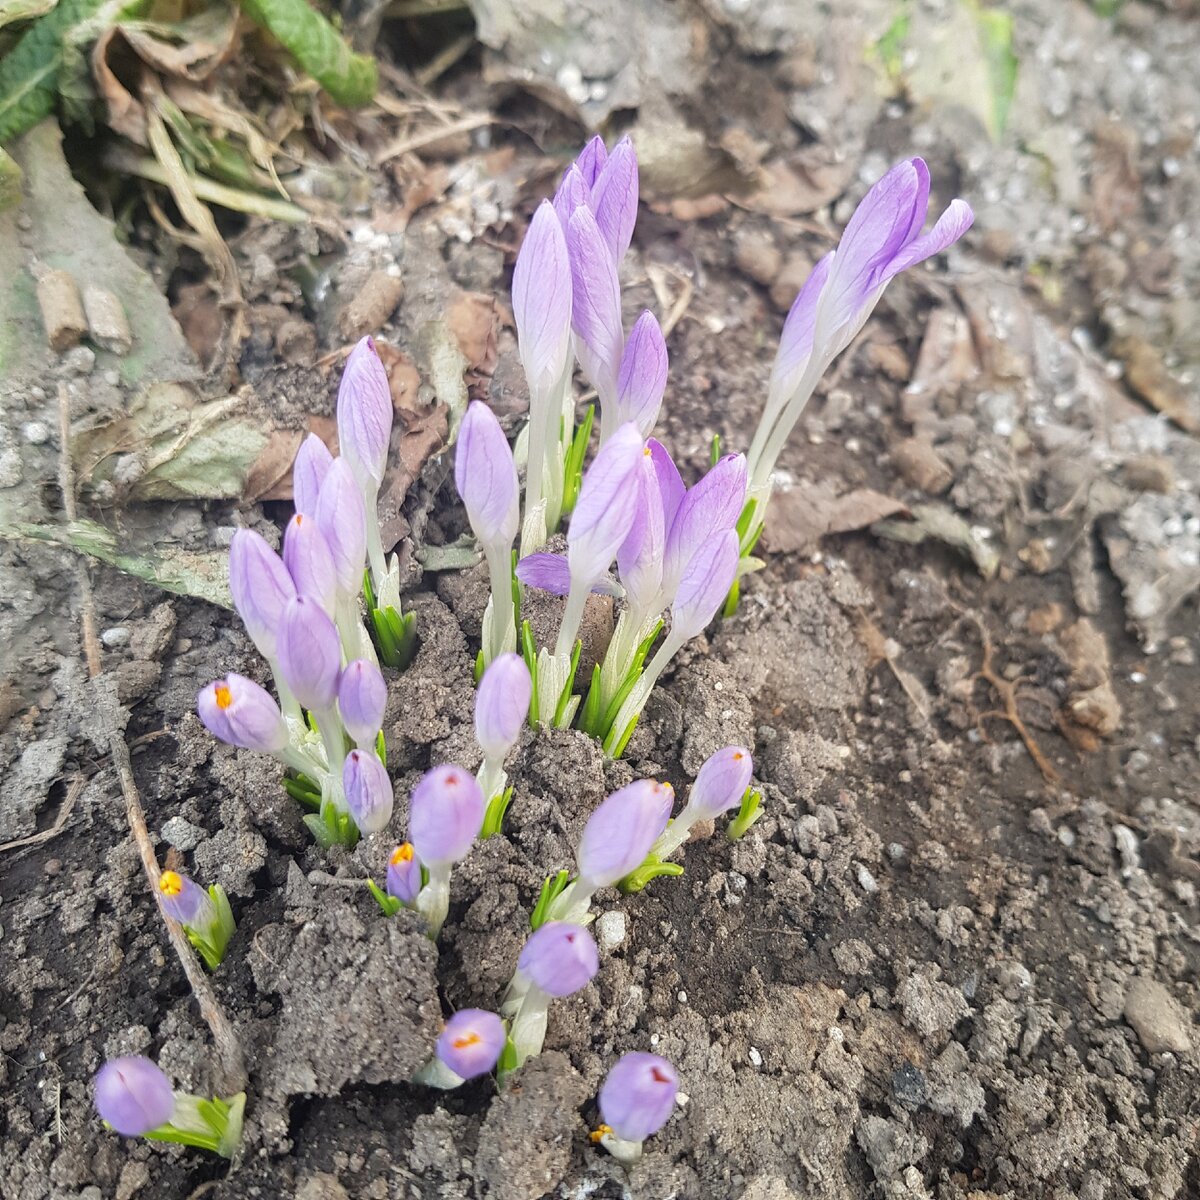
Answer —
471 1039
170 884
223 694
401 854
597 1135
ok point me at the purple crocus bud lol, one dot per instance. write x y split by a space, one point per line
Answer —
596 304
615 199
239 712
404 874
471 1043
185 901
362 698
619 834
574 191
502 704
445 815
671 489
309 561
486 477
364 414
640 559
560 958
541 295
643 375
796 341
342 517
591 160
709 508
310 654
721 783
260 586
133 1095
605 509
638 1096
703 586
551 573
312 464
368 790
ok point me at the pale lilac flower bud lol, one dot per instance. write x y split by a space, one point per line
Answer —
591 160
720 783
260 586
309 561
615 199
796 341
559 958
362 699
133 1095
541 296
551 573
364 414
404 874
445 815
368 790
704 584
643 375
471 1043
638 1096
239 712
640 559
671 489
708 509
312 464
502 704
596 304
574 191
619 834
310 654
185 901
486 477
342 517
606 507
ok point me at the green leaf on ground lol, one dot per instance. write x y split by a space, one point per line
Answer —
12 11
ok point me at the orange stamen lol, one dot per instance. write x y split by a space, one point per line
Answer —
471 1039
223 694
401 854
170 884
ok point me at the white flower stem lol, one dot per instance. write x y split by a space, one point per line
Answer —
572 619
333 738
436 1074
572 903
433 902
288 704
491 778
528 1029
674 835
623 1151
503 627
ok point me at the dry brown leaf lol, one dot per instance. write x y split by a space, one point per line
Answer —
946 360
403 377
271 476
473 320
1091 707
124 114
1116 181
1149 378
808 183
799 517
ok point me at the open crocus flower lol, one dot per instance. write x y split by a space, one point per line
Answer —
471 1043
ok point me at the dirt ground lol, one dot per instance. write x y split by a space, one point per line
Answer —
960 955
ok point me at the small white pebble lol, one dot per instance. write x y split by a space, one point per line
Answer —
836 1035
654 1039
36 433
610 929
1137 677
866 880
1066 836
116 636
682 997
682 1099
755 1057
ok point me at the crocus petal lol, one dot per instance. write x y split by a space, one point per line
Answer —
605 508
445 815
643 374
342 517
541 295
260 586
796 341
310 654
671 489
364 414
574 191
721 782
950 226
640 558
239 712
312 464
619 834
185 901
560 958
615 199
471 1043
368 790
502 704
705 583
591 160
708 509
486 477
545 571
362 699
596 303
404 874
638 1096
309 561
133 1095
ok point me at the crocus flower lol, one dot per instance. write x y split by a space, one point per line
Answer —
404 874
671 488
619 834
445 815
309 561
185 901
708 509
591 160
368 790
310 654
502 704
642 377
636 1099
342 517
260 586
596 312
471 1043
705 583
362 698
312 464
364 415
133 1095
239 712
640 559
541 295
550 573
719 786
615 199
559 958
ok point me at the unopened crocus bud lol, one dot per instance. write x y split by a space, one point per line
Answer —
502 704
559 958
185 901
705 583
796 340
133 1095
643 374
605 509
615 198
486 477
310 654
309 561
671 487
312 464
595 307
364 414
541 295
708 509
445 815
362 698
260 586
591 160
404 874
619 834
471 1043
574 191
238 711
720 783
640 558
342 518
368 790
638 1096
